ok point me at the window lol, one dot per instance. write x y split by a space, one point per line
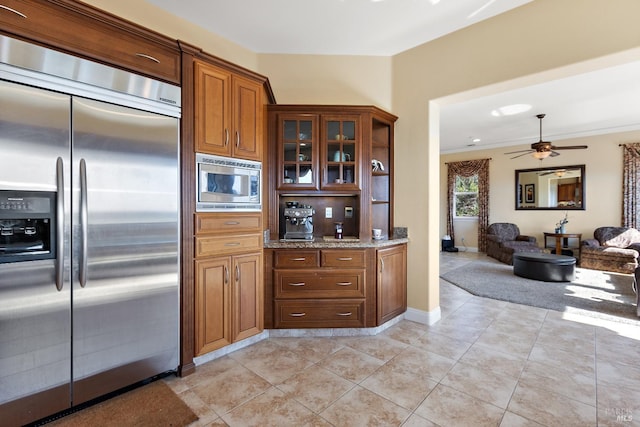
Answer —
465 197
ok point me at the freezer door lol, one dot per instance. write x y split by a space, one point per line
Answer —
35 316
125 246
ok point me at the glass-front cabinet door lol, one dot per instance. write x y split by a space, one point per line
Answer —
298 158
340 152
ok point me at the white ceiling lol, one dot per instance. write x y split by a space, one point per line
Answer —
334 27
589 104
594 103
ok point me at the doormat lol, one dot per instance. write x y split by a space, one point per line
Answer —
594 293
151 405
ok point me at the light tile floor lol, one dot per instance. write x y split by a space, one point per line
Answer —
486 363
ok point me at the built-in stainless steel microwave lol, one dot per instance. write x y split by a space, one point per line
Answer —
228 184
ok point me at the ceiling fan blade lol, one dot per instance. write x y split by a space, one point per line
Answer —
521 151
570 147
520 155
553 154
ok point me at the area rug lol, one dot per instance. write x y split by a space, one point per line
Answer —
593 293
151 405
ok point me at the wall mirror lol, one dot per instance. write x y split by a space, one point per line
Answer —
559 187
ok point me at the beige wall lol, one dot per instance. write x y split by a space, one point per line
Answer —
329 79
513 47
539 40
603 182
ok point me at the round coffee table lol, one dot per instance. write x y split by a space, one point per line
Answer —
544 267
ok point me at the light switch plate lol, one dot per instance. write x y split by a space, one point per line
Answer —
328 212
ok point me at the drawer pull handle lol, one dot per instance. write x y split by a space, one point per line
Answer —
348 313
232 244
12 10
297 284
344 283
298 259
149 57
232 223
345 259
297 314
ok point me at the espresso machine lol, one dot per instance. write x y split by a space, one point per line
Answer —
299 221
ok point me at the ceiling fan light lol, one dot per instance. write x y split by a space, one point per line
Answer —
541 154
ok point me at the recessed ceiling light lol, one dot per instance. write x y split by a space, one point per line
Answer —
475 140
510 110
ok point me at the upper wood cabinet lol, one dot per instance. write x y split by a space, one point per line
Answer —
79 29
327 151
228 113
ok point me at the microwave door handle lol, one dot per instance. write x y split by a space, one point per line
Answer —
83 223
59 224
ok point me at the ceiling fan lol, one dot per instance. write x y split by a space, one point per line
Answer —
559 172
543 149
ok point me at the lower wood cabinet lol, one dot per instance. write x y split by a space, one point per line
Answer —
335 288
229 291
228 300
324 313
391 282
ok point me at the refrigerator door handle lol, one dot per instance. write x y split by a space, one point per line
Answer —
83 223
59 224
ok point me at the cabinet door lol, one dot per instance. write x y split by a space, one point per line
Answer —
341 143
392 282
247 119
297 152
247 296
213 329
213 109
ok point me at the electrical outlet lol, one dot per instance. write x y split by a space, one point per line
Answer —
328 212
348 212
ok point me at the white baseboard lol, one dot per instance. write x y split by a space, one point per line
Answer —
424 317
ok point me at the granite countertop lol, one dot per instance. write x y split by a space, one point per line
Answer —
331 243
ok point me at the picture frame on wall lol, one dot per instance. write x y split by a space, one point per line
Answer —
530 193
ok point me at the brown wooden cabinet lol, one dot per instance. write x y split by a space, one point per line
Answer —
326 150
391 282
229 282
319 288
341 148
567 193
228 113
381 169
82 30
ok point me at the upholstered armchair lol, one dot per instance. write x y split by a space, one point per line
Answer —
614 249
503 239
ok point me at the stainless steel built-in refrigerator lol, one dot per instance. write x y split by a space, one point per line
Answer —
89 230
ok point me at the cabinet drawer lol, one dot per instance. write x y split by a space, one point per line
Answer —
342 258
222 245
94 34
219 223
319 314
319 284
296 259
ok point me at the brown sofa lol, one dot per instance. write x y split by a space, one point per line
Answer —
614 249
503 239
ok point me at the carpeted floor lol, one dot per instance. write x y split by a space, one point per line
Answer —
152 405
593 293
